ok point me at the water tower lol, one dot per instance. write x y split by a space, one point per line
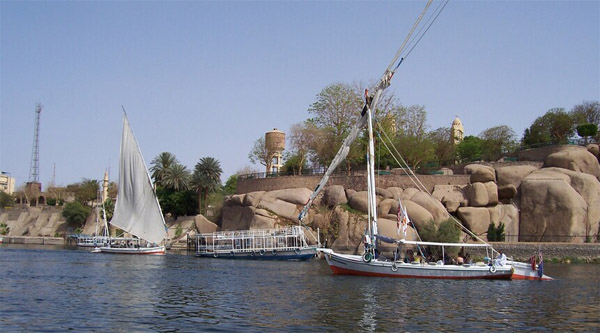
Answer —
275 144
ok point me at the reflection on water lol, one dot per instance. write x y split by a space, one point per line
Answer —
56 289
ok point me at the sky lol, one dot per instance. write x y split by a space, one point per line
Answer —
208 78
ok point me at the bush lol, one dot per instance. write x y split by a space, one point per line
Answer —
6 200
51 202
446 232
495 234
4 229
76 213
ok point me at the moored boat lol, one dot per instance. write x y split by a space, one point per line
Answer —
137 210
262 244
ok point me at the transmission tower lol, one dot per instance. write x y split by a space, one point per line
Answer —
34 168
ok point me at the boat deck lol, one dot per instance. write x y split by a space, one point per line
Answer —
279 244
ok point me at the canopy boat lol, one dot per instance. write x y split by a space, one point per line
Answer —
137 210
371 263
97 240
261 244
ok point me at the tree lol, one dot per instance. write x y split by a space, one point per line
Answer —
497 141
447 232
555 126
206 179
587 130
469 149
177 203
586 112
160 166
76 213
411 121
301 138
86 191
261 153
230 186
337 107
177 177
443 147
6 200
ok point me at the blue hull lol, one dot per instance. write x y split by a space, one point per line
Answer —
301 255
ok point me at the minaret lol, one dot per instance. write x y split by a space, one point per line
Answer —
457 131
105 186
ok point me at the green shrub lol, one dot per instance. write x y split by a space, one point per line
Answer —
4 229
447 232
495 234
75 213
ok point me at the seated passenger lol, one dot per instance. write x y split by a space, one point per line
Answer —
501 259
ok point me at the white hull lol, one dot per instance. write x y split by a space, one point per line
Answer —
157 250
354 265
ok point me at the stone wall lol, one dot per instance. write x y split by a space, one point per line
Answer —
356 181
589 252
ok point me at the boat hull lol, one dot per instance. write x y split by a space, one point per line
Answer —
157 250
291 255
354 265
524 271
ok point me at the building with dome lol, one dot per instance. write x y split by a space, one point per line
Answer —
457 131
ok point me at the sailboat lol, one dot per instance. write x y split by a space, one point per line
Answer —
137 210
371 262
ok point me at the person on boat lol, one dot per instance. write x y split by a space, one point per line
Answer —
501 258
418 258
460 260
468 259
409 256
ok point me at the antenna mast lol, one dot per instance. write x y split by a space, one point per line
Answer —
34 168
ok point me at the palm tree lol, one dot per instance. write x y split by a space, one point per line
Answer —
177 178
206 179
160 166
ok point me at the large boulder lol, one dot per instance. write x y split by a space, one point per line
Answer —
396 192
334 195
551 211
476 219
350 230
513 175
279 207
480 173
237 217
203 225
253 198
492 191
449 192
236 199
507 192
417 214
509 215
409 192
359 200
297 196
594 149
433 206
579 160
588 187
385 206
477 194
384 193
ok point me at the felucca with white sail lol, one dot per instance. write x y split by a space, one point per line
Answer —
137 210
371 263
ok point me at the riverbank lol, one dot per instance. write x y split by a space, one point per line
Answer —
553 252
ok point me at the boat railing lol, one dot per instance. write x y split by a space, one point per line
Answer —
248 241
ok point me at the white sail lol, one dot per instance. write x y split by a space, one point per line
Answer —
137 210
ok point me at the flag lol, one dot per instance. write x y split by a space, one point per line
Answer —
402 219
541 266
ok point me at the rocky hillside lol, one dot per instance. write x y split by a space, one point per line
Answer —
559 202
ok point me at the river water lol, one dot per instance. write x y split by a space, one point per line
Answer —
59 288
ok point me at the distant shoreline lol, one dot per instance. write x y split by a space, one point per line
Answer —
553 252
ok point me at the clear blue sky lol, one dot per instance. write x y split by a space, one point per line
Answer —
203 78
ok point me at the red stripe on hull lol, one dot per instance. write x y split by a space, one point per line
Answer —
344 271
526 277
